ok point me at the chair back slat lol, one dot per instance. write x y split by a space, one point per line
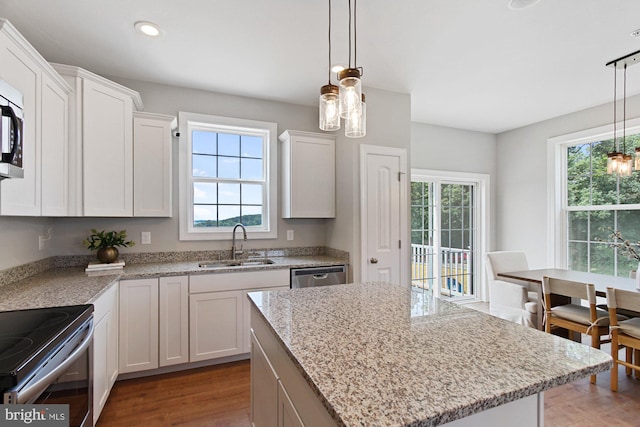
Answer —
565 288
627 300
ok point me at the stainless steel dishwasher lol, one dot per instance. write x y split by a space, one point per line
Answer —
318 276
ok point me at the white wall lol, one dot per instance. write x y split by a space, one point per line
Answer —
19 237
521 199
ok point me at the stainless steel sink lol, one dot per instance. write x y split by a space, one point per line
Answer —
234 263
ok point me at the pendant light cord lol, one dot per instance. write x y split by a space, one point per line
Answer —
329 71
349 33
624 112
615 115
355 34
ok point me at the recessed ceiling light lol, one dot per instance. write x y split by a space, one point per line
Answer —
521 4
635 33
147 28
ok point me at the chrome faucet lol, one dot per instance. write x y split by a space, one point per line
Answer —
234 251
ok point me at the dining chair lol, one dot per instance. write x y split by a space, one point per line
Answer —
575 317
510 300
625 333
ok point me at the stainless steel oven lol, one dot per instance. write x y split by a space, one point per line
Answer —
46 357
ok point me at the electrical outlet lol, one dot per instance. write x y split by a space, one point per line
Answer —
289 234
41 243
145 237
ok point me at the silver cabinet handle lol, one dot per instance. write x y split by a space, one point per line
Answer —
373 260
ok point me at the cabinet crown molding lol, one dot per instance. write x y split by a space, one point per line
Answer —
71 70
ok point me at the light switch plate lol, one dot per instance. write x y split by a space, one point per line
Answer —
145 237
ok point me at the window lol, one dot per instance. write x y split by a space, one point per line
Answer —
227 176
593 204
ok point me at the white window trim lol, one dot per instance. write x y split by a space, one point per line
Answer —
483 185
184 165
557 233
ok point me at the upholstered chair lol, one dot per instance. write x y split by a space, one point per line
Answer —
509 299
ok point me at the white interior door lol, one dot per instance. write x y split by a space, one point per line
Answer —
383 212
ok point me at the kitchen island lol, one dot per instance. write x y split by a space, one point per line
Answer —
380 354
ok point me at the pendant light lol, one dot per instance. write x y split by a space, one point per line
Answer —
329 97
619 162
356 122
352 107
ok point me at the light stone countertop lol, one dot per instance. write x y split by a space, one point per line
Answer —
71 285
384 354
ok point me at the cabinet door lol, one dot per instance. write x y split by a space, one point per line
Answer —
174 320
138 325
55 175
264 388
107 145
215 325
308 175
21 196
287 414
105 348
152 165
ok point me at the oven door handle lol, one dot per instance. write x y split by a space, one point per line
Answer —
34 390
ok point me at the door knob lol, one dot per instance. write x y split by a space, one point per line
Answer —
373 260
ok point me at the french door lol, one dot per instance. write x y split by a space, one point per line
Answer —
444 235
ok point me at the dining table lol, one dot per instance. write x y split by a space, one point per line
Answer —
600 281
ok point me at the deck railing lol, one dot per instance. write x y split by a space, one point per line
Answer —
456 269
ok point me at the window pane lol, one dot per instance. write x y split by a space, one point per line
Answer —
228 145
578 256
579 191
251 194
604 189
625 265
578 161
416 237
456 218
629 224
229 167
416 217
204 142
601 225
602 259
416 193
251 168
204 165
444 239
251 146
204 216
578 225
228 215
228 194
630 189
205 192
251 215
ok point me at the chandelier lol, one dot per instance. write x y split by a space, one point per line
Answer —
345 100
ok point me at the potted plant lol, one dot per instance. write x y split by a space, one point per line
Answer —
105 243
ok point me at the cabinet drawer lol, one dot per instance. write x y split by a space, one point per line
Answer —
237 281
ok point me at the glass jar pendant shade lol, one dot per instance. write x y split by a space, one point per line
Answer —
619 163
356 121
350 90
329 108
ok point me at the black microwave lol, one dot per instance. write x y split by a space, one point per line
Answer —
11 136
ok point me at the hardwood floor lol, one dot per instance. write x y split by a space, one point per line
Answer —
219 396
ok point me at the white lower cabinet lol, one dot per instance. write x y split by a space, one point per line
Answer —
153 323
215 327
105 348
219 310
287 414
264 387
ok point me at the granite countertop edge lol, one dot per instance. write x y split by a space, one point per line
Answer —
72 285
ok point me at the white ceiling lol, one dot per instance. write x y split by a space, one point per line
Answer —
470 64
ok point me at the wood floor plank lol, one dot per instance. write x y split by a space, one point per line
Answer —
219 396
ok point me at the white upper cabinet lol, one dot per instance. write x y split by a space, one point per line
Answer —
43 190
152 164
101 144
308 175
